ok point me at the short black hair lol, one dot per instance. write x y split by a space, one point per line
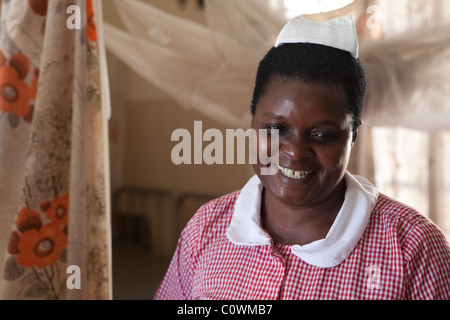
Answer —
311 63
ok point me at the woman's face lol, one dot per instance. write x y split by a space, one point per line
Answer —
315 140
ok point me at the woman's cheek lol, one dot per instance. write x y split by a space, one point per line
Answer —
268 152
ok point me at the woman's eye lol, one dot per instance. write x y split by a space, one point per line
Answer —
274 129
323 136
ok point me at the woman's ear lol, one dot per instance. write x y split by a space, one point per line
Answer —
354 137
355 133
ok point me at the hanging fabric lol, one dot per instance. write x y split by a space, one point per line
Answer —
53 147
211 68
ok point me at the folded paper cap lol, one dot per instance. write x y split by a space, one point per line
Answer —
338 33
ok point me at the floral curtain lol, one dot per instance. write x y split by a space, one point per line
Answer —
54 197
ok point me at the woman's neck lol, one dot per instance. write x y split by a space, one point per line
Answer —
288 225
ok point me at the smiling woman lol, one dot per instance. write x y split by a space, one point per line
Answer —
312 230
316 147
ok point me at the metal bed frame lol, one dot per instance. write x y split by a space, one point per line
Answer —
148 216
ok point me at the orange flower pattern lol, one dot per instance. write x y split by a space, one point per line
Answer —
57 210
91 29
39 6
28 219
38 244
41 248
16 96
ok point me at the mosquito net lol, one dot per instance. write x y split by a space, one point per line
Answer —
211 68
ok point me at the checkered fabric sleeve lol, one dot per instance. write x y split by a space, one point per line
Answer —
426 263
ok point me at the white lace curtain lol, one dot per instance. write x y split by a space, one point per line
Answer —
405 51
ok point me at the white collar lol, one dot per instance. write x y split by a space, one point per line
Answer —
342 238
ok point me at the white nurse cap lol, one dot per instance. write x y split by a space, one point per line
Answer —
338 33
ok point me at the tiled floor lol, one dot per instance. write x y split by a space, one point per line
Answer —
136 272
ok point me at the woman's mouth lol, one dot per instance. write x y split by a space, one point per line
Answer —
294 174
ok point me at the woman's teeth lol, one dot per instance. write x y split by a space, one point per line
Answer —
294 174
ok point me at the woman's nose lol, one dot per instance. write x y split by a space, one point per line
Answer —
297 149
